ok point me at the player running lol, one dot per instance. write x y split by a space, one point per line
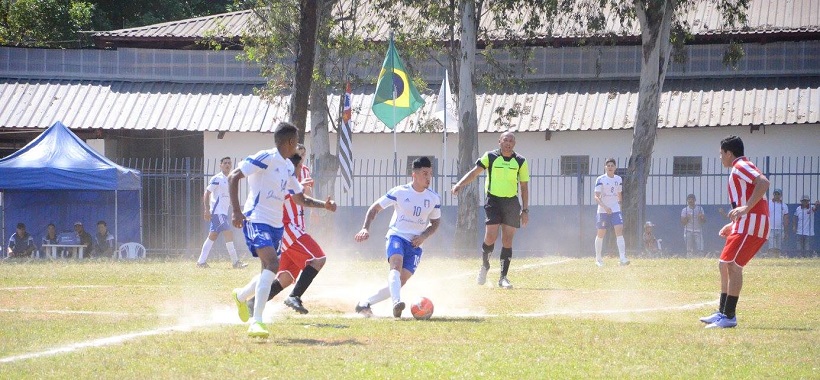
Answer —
299 252
217 201
270 178
416 216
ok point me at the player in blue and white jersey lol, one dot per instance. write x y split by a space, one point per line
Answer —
270 178
217 201
416 216
608 193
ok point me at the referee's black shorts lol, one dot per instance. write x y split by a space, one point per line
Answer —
503 211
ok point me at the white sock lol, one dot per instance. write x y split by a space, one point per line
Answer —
231 251
249 290
394 283
381 295
621 247
262 292
206 249
599 246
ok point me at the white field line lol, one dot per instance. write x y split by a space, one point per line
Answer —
117 339
81 312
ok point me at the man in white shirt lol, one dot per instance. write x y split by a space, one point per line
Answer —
217 202
416 215
608 192
778 222
692 218
804 225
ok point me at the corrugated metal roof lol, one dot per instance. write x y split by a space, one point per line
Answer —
556 106
764 16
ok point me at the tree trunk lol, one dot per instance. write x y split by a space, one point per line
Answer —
655 20
467 221
308 21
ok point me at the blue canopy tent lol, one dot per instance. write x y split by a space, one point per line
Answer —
57 178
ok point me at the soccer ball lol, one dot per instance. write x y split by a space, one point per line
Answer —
422 309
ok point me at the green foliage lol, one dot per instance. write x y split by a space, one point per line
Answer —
43 23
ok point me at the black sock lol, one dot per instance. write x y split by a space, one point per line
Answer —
486 250
307 276
722 307
731 304
275 288
506 256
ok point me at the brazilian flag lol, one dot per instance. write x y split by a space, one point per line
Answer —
397 86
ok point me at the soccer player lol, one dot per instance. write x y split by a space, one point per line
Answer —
217 201
608 193
745 234
301 256
506 171
416 216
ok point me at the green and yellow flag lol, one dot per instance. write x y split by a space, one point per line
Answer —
396 96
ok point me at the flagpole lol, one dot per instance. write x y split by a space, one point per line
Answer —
444 164
395 145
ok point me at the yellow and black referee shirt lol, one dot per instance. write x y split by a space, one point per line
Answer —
503 173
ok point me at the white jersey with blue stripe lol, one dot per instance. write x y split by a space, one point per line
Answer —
270 178
609 187
412 212
220 200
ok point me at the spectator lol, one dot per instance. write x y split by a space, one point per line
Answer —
804 225
21 243
692 218
85 237
651 244
103 242
49 238
778 222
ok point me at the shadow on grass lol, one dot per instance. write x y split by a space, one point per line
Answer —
328 325
448 319
319 342
781 328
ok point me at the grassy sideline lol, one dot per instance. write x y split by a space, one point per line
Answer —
565 318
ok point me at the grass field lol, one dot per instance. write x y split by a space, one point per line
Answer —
565 318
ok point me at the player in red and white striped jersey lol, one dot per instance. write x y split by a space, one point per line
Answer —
747 231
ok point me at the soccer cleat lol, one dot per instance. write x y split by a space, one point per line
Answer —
624 263
398 307
258 330
295 303
504 283
242 308
712 318
482 275
599 263
202 265
364 310
723 323
239 265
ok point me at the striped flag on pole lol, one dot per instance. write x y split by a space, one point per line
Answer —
346 144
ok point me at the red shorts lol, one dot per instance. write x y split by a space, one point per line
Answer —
740 248
298 249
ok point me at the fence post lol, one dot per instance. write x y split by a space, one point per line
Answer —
580 179
188 198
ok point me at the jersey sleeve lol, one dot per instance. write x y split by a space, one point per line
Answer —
294 186
255 163
524 172
213 184
746 172
483 161
436 213
388 199
599 185
619 188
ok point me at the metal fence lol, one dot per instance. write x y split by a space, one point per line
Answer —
173 189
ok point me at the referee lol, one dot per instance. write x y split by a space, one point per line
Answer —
506 170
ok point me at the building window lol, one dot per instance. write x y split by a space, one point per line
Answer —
410 160
574 165
683 166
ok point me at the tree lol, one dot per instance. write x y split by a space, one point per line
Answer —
49 23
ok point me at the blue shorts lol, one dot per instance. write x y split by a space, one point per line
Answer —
605 220
398 246
260 235
219 223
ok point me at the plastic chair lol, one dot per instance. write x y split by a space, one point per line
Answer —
131 251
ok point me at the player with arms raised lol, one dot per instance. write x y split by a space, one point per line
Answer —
416 216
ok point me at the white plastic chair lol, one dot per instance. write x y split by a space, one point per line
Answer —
131 251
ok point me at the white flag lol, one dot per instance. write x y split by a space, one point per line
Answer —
446 107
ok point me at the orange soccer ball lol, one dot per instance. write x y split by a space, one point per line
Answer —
422 309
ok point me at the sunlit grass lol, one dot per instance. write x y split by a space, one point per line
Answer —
565 318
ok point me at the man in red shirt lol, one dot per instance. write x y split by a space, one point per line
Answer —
745 234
